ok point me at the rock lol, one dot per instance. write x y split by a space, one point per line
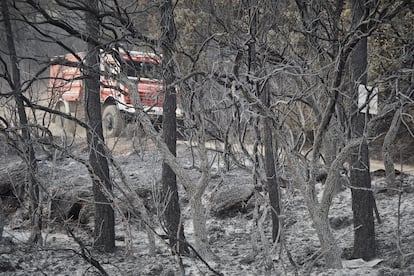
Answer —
215 232
403 181
153 269
6 245
6 266
380 173
119 238
248 259
340 222
13 179
409 189
230 200
145 195
284 175
72 205
168 272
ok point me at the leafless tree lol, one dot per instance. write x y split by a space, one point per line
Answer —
273 85
362 199
104 213
172 212
25 145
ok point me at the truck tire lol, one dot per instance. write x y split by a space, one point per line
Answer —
112 121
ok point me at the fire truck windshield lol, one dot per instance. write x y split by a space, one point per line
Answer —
139 69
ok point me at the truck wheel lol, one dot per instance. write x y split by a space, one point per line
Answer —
112 121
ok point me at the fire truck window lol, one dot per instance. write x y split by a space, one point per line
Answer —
151 70
132 68
142 69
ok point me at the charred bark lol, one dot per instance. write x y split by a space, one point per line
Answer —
269 148
172 214
26 151
360 178
272 180
104 214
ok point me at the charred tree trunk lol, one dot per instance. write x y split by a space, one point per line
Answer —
272 180
362 197
2 219
26 151
386 151
270 163
172 215
102 186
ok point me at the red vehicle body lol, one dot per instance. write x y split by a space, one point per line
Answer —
66 87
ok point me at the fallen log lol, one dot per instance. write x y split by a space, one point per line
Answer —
13 179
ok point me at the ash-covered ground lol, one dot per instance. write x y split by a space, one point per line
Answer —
239 240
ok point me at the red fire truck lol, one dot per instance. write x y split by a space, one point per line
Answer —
66 88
